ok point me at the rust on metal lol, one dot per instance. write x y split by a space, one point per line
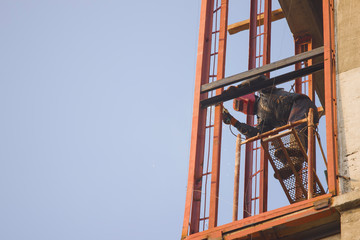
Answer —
321 204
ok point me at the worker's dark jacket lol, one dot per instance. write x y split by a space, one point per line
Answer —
276 108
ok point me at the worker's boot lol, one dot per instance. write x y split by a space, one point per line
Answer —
286 171
292 152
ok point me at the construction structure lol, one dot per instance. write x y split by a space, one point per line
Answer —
326 67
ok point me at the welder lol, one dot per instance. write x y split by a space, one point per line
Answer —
274 108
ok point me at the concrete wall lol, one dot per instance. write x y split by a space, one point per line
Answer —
347 23
350 222
335 237
347 32
347 35
349 129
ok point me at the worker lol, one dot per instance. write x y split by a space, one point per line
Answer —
274 108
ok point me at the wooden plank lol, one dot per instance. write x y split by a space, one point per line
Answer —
257 85
261 70
244 25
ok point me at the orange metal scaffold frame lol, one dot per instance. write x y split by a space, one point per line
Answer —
194 189
296 213
259 54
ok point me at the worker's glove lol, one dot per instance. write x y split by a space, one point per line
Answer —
226 116
230 91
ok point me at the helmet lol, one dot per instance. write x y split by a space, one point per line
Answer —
245 104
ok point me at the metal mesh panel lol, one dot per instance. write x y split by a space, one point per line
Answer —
294 183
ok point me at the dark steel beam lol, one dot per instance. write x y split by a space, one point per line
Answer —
255 85
261 70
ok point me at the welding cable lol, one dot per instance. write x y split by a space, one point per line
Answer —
232 131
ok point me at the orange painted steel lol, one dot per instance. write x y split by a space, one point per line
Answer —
193 193
236 178
268 133
330 94
296 219
263 193
290 215
294 213
255 56
274 167
304 44
305 85
250 118
311 153
215 176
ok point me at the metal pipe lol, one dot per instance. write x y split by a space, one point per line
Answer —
311 151
274 131
236 178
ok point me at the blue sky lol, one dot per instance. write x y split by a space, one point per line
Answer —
96 104
96 101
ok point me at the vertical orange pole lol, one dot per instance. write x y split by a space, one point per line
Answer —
266 60
311 155
215 172
330 94
250 118
193 192
236 178
298 81
304 44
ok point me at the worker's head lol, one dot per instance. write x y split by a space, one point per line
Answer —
246 104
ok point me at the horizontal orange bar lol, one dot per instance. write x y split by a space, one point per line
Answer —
263 217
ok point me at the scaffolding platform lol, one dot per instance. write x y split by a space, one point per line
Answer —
289 160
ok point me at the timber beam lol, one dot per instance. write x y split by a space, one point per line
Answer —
245 25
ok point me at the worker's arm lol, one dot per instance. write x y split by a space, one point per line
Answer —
245 129
263 125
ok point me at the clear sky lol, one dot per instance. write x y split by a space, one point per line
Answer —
96 107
